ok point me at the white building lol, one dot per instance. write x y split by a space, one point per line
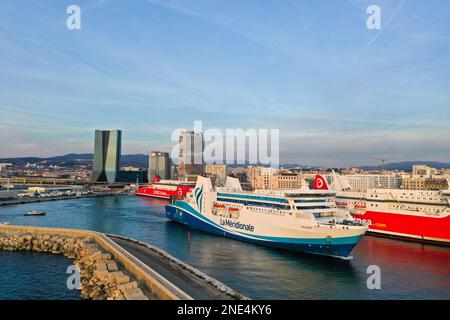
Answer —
422 171
4 165
363 182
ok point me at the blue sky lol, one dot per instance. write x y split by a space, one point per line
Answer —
340 94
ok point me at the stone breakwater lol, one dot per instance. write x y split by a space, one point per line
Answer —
101 278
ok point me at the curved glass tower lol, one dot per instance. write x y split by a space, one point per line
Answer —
107 155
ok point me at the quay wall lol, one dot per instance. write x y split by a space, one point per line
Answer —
34 200
157 285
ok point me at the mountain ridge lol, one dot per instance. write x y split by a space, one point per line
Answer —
137 159
141 160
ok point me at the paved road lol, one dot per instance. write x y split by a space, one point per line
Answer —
196 287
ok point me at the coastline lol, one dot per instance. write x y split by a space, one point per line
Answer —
100 276
34 200
110 270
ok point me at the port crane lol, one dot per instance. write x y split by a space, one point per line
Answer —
383 162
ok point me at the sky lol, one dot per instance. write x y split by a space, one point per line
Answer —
340 93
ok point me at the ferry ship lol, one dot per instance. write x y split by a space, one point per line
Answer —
418 215
303 219
165 189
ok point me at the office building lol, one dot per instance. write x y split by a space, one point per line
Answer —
363 182
107 152
190 154
159 165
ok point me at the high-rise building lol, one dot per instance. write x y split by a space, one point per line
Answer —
159 164
190 154
107 151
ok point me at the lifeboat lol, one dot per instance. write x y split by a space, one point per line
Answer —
219 206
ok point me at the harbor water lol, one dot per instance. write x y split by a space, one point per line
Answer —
35 276
408 270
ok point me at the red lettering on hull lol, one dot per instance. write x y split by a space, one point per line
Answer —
161 193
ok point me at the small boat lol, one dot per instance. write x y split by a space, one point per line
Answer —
4 223
35 213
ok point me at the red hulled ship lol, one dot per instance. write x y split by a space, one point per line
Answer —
419 215
165 189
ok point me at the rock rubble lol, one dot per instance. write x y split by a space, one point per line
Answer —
101 278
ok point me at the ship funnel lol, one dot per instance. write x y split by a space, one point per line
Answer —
320 183
340 183
204 184
202 193
233 184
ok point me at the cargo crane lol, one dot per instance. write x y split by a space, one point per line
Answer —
383 162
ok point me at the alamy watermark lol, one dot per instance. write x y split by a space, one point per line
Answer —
374 280
226 146
374 19
73 21
74 280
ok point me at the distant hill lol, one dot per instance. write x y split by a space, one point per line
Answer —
141 160
138 160
407 165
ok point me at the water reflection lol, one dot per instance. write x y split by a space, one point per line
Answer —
409 270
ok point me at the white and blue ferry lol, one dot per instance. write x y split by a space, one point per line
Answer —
305 219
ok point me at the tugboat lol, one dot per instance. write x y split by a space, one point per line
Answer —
35 213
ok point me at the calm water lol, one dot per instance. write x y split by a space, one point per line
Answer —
34 276
408 270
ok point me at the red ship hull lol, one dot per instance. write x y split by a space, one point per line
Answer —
153 192
414 227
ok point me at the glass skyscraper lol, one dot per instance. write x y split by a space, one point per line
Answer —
107 151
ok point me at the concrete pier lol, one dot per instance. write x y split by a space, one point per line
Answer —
160 275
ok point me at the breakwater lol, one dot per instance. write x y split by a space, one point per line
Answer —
107 270
100 276
114 267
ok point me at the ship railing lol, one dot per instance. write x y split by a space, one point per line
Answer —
173 199
268 210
